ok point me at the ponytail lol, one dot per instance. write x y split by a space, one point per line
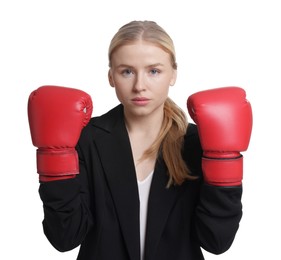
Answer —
170 143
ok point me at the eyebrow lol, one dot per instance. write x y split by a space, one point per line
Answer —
149 66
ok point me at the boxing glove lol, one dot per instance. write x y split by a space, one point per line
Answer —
224 120
56 117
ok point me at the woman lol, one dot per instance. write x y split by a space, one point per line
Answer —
140 192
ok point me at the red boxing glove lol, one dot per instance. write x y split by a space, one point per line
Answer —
56 117
224 120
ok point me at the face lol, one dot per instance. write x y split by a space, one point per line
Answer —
141 74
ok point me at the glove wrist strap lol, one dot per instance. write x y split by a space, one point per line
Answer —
60 162
223 172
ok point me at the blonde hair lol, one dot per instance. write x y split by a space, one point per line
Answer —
171 137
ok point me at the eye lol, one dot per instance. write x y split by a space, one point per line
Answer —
127 72
154 71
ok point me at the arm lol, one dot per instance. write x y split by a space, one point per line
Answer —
223 117
67 215
57 116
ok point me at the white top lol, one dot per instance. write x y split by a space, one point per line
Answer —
144 188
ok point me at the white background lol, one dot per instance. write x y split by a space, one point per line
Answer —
64 42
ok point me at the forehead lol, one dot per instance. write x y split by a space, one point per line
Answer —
140 51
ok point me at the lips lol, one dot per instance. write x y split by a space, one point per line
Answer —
141 101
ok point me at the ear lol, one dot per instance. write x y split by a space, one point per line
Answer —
110 78
174 78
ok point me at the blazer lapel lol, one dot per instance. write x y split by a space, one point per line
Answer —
161 201
117 160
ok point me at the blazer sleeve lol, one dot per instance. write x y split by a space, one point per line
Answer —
219 209
67 215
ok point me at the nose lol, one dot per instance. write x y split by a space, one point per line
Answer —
139 84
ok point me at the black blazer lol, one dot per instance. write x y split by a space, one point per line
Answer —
99 209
